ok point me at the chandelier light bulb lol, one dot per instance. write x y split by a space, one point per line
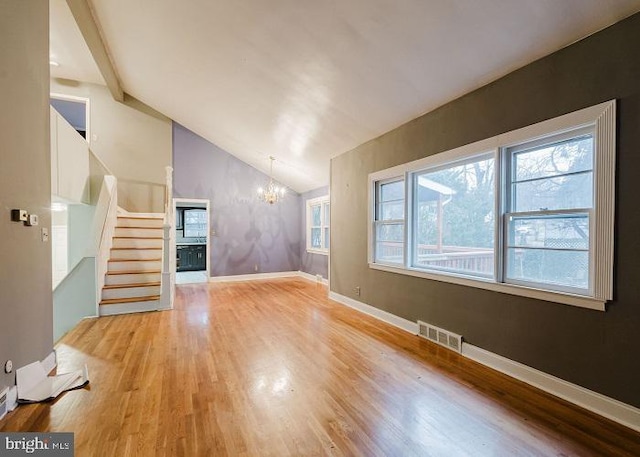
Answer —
272 194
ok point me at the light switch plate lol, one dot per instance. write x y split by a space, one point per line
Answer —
33 220
19 215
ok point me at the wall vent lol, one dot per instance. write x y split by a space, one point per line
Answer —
442 337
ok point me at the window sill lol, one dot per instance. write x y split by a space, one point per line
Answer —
317 251
512 289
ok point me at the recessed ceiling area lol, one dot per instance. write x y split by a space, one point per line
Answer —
305 80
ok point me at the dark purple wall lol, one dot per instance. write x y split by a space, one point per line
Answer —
314 264
250 236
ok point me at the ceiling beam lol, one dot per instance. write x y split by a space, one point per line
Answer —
89 29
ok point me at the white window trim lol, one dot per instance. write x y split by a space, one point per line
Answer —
315 202
603 118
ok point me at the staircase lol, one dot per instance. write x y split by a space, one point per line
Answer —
133 278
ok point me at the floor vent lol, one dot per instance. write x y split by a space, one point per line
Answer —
440 336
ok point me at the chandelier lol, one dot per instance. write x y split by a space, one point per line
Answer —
272 194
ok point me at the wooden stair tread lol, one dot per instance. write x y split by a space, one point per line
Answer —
136 249
160 217
139 237
138 284
138 227
135 272
117 301
135 260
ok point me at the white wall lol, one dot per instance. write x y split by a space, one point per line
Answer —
132 139
69 161
59 246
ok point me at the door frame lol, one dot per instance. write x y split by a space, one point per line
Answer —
179 202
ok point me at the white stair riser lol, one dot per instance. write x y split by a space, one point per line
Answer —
139 232
136 254
126 308
130 292
144 265
138 222
137 243
131 278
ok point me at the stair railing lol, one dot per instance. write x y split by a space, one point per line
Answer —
104 224
169 246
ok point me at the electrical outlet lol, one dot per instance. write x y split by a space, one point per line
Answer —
45 234
255 267
358 291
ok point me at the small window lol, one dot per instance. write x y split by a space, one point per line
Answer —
326 219
389 222
195 223
318 217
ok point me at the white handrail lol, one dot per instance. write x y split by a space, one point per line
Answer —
104 223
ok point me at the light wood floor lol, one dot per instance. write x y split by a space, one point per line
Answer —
274 368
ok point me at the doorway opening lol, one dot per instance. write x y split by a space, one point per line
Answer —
75 110
193 240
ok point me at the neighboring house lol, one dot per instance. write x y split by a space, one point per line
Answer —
593 349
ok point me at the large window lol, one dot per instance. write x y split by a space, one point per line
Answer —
528 212
454 217
318 221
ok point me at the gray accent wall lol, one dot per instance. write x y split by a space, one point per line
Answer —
250 236
314 264
26 312
593 349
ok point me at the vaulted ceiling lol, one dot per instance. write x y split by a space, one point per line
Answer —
306 80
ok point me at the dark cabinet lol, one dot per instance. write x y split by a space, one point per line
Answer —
192 257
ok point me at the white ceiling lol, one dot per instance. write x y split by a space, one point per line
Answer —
68 48
306 80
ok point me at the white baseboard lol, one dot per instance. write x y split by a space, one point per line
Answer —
600 404
313 278
610 408
396 321
254 276
260 276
